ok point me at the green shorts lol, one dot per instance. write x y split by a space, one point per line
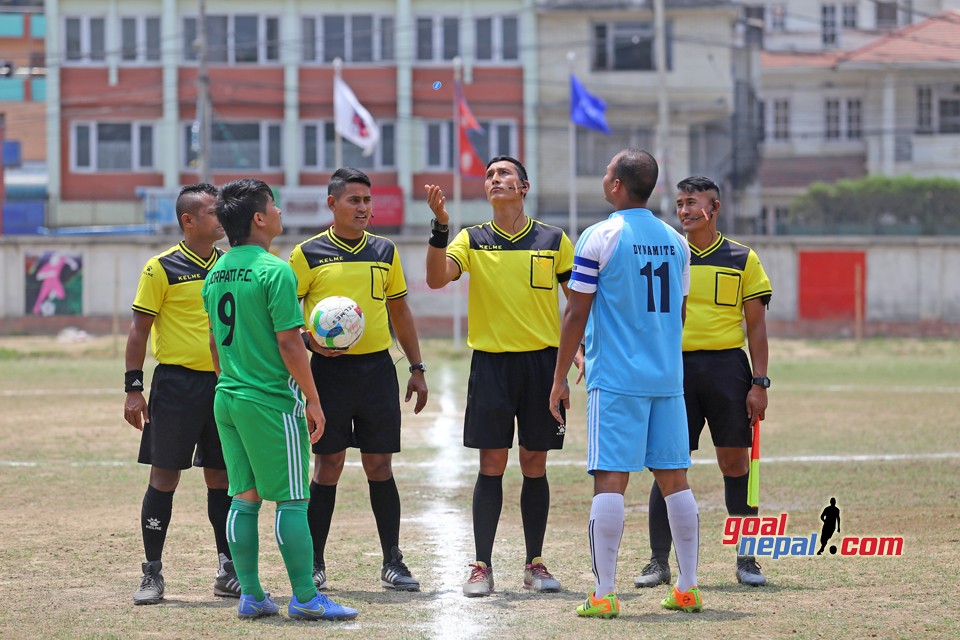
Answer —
264 448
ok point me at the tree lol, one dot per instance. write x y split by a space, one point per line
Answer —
879 205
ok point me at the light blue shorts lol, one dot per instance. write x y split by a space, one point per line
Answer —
628 433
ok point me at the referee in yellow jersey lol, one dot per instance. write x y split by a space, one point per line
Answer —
721 386
178 427
516 266
358 388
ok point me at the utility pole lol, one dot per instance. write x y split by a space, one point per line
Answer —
204 108
663 106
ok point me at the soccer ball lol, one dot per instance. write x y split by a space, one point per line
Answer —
337 322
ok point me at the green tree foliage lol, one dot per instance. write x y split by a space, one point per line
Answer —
879 205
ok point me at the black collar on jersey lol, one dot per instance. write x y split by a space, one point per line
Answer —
343 246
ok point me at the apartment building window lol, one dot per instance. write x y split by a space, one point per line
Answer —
240 39
112 146
949 115
140 39
239 146
438 38
828 25
594 149
854 119
925 109
850 16
781 120
496 38
499 137
778 17
831 111
628 46
352 38
319 149
843 119
84 39
754 21
761 120
886 15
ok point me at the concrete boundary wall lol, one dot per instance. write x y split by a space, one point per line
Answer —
911 285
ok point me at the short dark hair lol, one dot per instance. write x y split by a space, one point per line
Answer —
344 176
637 171
698 184
237 203
521 170
189 196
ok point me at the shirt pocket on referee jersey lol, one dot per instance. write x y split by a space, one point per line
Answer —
542 274
727 292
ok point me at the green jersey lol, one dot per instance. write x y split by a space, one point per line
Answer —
250 295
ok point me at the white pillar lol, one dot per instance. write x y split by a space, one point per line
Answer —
290 43
169 136
529 51
405 151
112 43
54 55
889 125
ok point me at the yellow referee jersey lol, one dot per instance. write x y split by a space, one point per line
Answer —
513 304
368 273
169 290
722 277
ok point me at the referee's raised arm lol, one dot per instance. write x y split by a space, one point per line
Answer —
441 269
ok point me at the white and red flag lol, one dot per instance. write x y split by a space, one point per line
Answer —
351 119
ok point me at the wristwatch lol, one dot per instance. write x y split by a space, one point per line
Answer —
436 226
761 381
418 367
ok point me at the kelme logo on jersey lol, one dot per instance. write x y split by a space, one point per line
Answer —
767 538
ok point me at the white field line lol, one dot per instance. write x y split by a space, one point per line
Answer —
451 464
827 388
14 393
446 525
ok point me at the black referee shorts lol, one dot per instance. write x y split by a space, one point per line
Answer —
360 397
504 387
182 429
715 387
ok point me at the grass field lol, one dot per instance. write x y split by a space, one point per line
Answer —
874 427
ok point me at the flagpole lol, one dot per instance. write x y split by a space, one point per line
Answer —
572 164
337 140
663 107
457 196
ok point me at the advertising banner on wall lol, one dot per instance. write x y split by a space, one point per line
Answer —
54 283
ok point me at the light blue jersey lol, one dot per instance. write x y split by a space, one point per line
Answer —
639 268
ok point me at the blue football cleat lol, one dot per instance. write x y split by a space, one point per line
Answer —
320 608
249 608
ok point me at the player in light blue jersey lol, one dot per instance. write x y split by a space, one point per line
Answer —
631 275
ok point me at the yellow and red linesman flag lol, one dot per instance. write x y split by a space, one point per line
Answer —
753 479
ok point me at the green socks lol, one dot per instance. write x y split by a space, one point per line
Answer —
296 547
244 540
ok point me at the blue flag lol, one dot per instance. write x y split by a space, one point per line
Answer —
586 109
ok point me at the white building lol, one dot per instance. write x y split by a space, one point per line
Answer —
855 89
614 52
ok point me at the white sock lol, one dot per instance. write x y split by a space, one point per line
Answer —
685 529
606 530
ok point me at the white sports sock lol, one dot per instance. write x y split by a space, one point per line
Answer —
606 530
685 528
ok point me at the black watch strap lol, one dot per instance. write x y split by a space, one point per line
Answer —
436 226
418 367
761 381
